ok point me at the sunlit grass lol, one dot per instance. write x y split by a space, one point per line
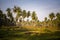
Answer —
31 28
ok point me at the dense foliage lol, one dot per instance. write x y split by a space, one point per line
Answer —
8 19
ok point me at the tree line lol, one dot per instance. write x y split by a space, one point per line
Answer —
7 19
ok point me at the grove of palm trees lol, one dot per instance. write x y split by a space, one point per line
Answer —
13 24
7 19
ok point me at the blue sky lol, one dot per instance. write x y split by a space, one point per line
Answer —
42 7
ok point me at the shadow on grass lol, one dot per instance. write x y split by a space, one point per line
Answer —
18 35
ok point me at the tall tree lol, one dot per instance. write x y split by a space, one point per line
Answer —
51 16
58 20
58 16
9 14
24 14
45 19
28 14
18 12
34 17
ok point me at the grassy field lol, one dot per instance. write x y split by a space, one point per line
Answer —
31 34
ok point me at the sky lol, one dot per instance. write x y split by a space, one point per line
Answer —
42 7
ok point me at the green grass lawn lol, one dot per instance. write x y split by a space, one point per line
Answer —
22 35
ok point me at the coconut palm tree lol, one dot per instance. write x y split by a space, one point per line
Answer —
51 16
24 14
58 20
18 12
58 15
33 15
45 19
28 15
34 18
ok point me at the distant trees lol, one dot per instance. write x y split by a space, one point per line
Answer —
28 15
34 16
18 12
1 14
7 19
24 14
1 17
9 14
45 19
58 16
58 20
4 20
51 16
